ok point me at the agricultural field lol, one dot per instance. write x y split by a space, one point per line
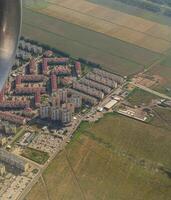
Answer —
115 55
132 10
114 158
113 23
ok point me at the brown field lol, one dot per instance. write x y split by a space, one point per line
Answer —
113 23
105 160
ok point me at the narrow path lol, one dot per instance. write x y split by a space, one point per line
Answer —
45 187
74 175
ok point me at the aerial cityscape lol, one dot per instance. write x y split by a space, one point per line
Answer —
85 100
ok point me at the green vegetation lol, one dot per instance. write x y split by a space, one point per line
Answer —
118 5
163 70
115 55
35 155
138 97
162 118
115 158
19 134
155 6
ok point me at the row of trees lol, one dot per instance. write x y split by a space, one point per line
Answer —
151 5
59 52
142 4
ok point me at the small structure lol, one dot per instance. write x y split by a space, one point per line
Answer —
2 169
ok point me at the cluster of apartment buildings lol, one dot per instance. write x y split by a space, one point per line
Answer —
62 107
7 128
95 85
13 118
14 104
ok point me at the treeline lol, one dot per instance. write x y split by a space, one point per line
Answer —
162 2
142 4
59 52
151 5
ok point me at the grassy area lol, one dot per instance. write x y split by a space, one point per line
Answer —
138 97
116 55
35 155
162 118
105 161
163 70
18 135
36 4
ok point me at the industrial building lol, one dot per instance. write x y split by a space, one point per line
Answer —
110 104
13 160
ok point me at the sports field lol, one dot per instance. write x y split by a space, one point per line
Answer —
115 158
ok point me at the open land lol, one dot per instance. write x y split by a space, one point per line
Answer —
140 97
162 70
132 10
113 23
35 155
106 154
115 55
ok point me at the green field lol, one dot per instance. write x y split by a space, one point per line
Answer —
35 155
156 17
140 97
114 54
163 70
162 118
116 158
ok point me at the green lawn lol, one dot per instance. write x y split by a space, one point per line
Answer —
114 158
